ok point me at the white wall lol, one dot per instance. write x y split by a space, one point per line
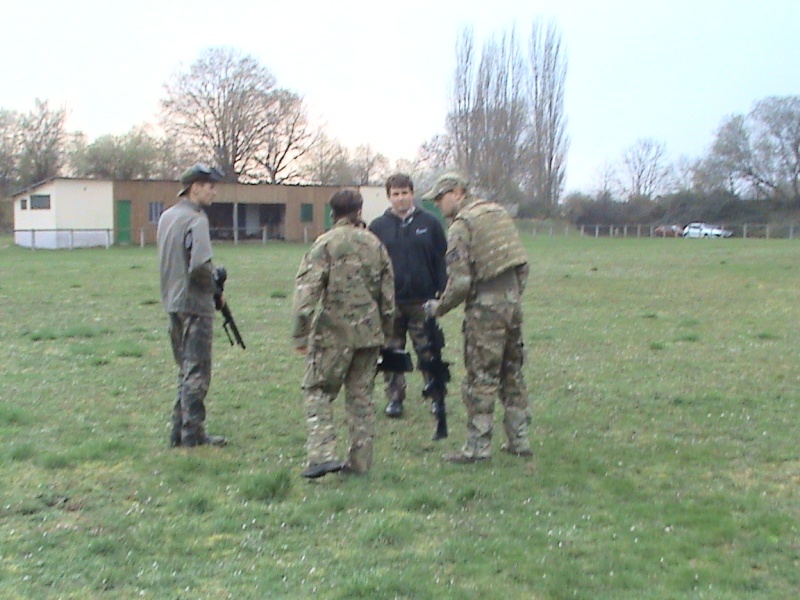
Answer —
35 219
252 225
75 204
84 204
375 202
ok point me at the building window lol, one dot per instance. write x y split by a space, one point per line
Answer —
40 201
306 213
23 204
155 209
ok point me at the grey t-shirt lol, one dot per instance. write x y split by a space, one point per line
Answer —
184 255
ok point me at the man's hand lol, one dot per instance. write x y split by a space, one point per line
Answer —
430 308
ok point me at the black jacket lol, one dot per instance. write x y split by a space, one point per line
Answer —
416 245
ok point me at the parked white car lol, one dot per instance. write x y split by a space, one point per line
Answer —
703 230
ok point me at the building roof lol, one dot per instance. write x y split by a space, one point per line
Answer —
28 189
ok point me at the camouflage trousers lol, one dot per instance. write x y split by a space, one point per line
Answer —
327 369
191 337
409 321
493 358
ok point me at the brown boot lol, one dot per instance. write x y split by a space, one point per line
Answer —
514 451
460 458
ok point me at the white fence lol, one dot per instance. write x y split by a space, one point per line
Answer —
55 239
52 239
781 231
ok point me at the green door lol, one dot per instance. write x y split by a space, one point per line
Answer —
123 222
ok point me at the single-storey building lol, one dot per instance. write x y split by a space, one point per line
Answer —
71 213
64 213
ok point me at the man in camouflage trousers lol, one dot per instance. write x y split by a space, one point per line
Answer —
187 293
487 268
342 315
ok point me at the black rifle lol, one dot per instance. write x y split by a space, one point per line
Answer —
229 325
439 372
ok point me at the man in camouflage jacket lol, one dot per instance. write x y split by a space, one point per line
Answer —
342 315
487 268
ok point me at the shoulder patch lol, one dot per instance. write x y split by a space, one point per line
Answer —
453 256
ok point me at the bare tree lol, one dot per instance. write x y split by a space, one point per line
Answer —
547 66
42 143
732 157
761 152
9 150
758 155
607 180
462 104
130 156
644 170
221 107
683 174
288 139
501 117
776 122
438 153
711 174
327 163
487 122
506 126
369 167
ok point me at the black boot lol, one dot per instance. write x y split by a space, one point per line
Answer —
318 470
175 437
394 409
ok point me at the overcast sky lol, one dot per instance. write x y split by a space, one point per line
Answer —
380 73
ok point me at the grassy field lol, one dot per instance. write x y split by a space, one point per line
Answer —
663 376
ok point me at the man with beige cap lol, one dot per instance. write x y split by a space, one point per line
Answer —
487 268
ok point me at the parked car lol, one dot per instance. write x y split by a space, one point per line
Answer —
668 231
703 230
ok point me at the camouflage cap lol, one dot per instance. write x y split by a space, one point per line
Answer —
199 172
446 183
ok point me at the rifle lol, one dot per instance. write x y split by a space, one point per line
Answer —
228 324
439 372
394 360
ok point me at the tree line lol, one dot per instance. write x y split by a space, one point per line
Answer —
226 109
751 173
506 128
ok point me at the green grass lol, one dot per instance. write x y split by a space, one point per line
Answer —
663 376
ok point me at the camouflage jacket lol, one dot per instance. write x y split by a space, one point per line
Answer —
344 291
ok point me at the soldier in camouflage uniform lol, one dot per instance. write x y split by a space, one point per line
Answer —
187 293
342 315
487 268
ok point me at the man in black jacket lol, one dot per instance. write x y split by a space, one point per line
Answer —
416 243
